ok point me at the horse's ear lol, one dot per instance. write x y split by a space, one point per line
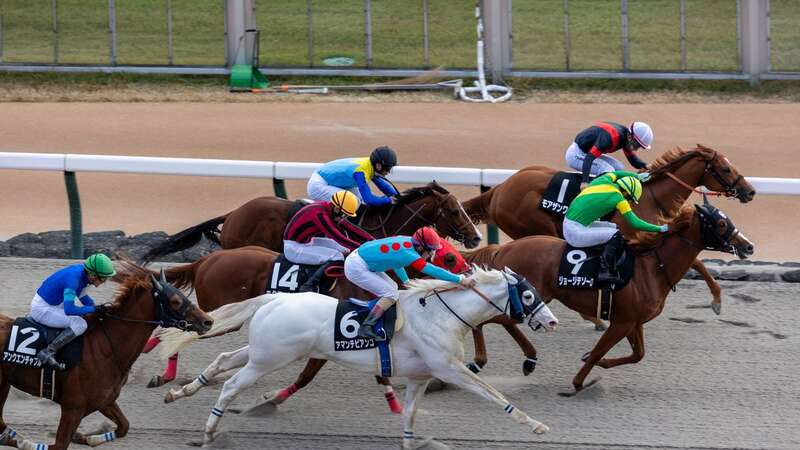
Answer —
163 276
155 282
705 200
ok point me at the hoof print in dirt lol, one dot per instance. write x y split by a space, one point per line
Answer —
687 320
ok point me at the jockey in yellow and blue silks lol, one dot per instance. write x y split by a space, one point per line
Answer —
54 302
365 268
352 174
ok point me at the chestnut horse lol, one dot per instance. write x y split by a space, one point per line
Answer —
661 261
233 275
261 222
514 204
110 347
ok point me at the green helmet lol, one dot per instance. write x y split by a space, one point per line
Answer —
632 186
99 265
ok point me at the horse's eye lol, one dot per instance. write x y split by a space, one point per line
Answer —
726 169
722 224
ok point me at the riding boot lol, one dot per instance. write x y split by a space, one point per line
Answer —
608 261
311 284
367 328
47 356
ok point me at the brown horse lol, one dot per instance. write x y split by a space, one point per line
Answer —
660 263
261 222
514 204
229 276
110 347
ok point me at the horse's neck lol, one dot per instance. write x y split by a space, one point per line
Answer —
400 219
464 303
668 194
126 339
671 261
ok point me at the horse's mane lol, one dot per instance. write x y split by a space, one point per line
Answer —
482 256
676 157
131 277
410 195
423 285
643 240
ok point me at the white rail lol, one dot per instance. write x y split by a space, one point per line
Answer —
287 170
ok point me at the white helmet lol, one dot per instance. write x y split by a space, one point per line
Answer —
642 134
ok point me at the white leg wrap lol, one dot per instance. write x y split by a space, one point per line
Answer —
97 439
28 445
8 433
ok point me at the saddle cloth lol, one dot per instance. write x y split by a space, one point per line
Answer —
288 276
562 189
27 337
349 316
579 268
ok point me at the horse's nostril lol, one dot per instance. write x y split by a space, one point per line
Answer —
553 323
208 323
750 249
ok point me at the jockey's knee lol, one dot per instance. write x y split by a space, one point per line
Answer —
77 325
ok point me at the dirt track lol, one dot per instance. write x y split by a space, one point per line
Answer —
760 139
705 383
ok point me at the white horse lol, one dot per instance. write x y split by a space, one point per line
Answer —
290 327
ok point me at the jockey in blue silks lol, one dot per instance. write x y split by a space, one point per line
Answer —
54 304
365 268
352 174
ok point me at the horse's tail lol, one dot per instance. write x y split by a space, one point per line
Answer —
185 239
183 276
477 208
227 318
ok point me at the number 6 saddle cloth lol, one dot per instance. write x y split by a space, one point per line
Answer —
349 316
27 337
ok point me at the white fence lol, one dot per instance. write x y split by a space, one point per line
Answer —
288 170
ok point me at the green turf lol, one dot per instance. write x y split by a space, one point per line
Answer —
397 33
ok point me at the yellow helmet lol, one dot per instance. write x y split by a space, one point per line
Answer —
346 201
632 186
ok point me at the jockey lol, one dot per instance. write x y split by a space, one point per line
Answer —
365 268
353 174
449 258
590 153
54 302
604 195
319 234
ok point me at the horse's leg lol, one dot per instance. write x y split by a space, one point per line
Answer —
453 371
70 419
525 345
713 286
414 391
310 371
242 380
389 395
152 343
8 436
169 372
599 325
116 415
222 363
636 339
607 341
480 350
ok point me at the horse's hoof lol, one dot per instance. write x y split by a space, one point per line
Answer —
429 444
528 367
474 368
541 429
436 385
217 440
170 397
600 327
78 438
716 307
585 356
156 381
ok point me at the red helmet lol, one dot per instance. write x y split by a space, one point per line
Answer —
428 238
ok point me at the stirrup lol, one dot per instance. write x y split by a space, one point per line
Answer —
367 331
48 359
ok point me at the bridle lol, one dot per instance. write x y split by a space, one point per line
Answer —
729 187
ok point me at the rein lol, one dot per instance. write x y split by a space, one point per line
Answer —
415 213
730 188
483 297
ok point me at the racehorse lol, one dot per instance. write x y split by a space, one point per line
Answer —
661 262
110 347
287 327
261 222
228 276
514 204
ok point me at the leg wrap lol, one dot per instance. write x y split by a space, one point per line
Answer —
97 439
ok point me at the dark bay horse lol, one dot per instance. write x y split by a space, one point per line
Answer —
514 204
233 275
261 222
662 260
110 347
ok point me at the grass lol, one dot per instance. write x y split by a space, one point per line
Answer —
397 33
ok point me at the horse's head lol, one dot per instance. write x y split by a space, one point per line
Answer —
534 308
450 219
174 309
721 176
717 232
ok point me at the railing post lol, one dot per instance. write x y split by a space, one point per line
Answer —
280 188
310 32
497 21
425 37
492 235
239 17
368 32
567 43
755 38
75 222
683 34
623 16
112 31
54 14
170 60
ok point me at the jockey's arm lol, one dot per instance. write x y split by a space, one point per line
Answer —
355 232
401 273
331 230
436 272
86 300
624 208
366 194
385 186
634 159
70 308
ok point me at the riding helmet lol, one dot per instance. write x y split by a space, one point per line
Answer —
632 186
99 265
346 201
642 134
384 155
427 238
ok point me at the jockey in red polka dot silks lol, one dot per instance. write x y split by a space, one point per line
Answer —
365 268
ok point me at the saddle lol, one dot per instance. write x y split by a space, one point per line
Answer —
27 337
288 276
349 316
297 206
560 192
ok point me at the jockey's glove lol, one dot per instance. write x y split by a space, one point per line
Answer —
664 228
643 177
